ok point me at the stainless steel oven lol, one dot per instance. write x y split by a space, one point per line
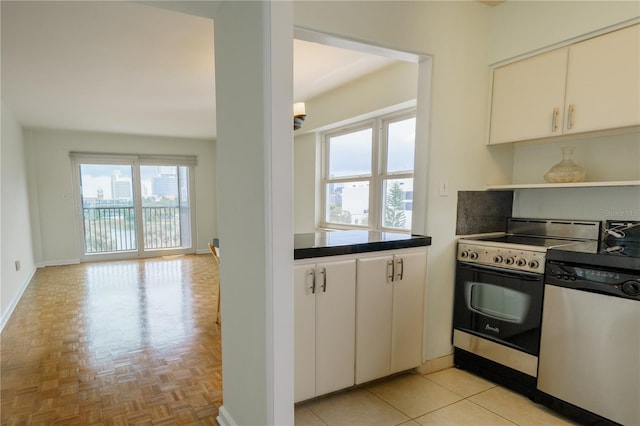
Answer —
502 307
498 297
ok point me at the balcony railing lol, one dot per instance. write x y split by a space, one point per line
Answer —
113 229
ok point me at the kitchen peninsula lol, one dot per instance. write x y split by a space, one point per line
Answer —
359 307
332 243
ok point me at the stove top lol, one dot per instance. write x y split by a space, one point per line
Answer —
522 240
526 242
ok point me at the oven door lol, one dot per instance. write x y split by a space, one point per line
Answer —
499 305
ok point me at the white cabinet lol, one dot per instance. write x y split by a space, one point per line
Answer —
528 98
324 313
588 86
389 307
603 82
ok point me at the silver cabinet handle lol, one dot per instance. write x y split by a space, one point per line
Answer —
323 272
390 271
554 119
400 269
312 272
572 110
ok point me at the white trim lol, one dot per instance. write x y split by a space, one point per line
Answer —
224 418
16 299
357 45
154 159
60 262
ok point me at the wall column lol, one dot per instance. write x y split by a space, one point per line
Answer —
254 67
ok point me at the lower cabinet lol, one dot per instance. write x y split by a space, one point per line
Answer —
390 309
324 313
357 318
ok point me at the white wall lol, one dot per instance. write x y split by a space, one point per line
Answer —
304 183
16 230
53 212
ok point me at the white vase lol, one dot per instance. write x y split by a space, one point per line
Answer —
566 170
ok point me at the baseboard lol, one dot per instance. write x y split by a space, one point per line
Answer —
15 300
58 263
224 418
436 364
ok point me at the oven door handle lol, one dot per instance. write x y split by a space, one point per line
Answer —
529 276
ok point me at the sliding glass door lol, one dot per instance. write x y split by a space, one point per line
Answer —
129 209
108 211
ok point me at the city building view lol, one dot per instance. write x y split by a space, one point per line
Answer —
118 212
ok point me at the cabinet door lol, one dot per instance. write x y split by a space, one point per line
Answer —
373 323
528 98
304 309
603 82
335 325
408 310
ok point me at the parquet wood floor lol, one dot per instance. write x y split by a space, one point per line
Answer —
115 343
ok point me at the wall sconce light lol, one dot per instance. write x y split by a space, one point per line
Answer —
299 114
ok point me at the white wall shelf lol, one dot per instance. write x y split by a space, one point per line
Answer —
562 185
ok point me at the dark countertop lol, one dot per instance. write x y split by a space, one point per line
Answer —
334 243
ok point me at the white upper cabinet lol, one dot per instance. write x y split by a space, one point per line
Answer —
528 98
603 82
589 86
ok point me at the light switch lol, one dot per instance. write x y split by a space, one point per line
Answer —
444 187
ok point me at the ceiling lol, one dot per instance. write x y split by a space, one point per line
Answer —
131 68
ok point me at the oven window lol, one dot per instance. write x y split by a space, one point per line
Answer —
497 302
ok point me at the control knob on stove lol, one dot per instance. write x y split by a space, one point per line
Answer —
632 288
464 254
509 260
534 264
497 259
521 262
473 255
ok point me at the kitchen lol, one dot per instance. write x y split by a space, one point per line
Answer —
461 37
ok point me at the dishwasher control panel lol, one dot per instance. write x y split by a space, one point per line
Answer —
617 283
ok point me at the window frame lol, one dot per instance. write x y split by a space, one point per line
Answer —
379 162
135 161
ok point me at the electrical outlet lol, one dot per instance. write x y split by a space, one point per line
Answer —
17 265
444 187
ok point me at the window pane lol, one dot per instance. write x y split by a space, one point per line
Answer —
107 208
165 207
350 154
397 203
348 203
401 137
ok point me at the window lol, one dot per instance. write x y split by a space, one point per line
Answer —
134 205
367 174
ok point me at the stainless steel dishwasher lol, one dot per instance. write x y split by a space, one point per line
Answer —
590 339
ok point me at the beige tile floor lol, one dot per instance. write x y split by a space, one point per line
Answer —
448 397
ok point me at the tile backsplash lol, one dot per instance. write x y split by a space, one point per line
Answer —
483 211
